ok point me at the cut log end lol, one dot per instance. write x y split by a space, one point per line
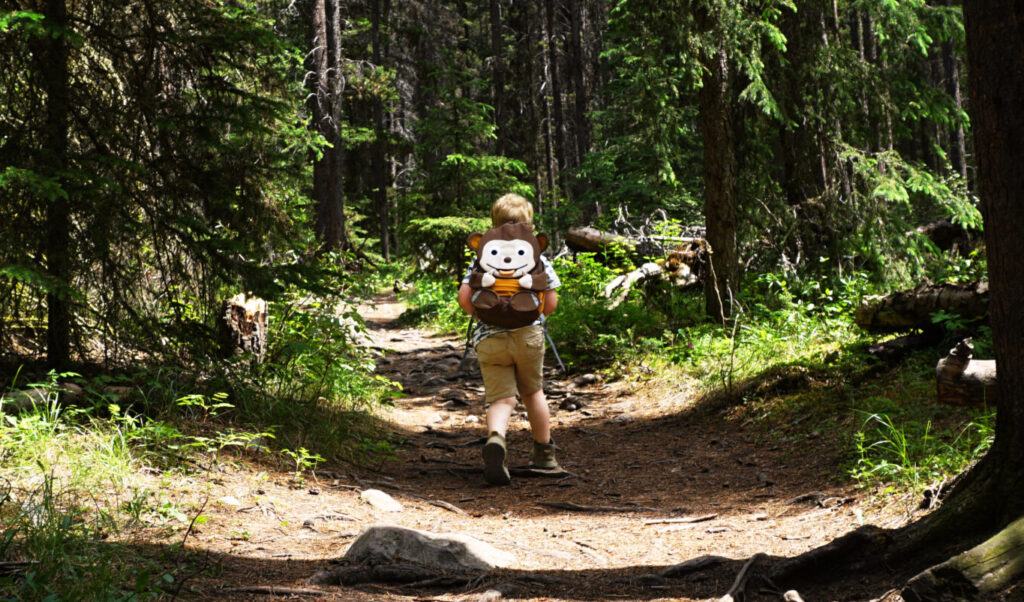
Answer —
243 327
961 380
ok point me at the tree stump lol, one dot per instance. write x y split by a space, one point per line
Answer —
243 327
963 381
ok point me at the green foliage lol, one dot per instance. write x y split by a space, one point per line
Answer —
177 180
585 328
441 242
433 302
456 173
893 448
64 475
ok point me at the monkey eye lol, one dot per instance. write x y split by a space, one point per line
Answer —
522 252
494 251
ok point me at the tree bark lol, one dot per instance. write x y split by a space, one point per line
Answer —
497 76
719 185
243 327
557 124
983 570
997 93
585 238
52 62
958 143
379 163
578 74
327 84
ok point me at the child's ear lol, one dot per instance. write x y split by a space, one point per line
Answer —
543 240
474 241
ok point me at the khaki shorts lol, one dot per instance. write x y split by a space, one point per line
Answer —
512 362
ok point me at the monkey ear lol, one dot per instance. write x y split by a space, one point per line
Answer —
474 241
543 240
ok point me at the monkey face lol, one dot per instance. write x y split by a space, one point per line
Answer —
507 258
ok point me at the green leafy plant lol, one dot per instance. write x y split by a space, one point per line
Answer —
302 461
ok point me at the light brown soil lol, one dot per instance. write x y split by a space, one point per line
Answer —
638 454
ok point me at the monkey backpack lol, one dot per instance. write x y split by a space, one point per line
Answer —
508 278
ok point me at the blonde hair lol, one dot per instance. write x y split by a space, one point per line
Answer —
511 208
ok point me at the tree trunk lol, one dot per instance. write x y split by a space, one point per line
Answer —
557 123
958 143
578 74
719 185
327 85
52 61
380 162
243 327
497 77
981 571
550 126
997 93
585 238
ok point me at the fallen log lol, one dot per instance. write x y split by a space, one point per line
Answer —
975 574
681 267
963 381
906 310
586 238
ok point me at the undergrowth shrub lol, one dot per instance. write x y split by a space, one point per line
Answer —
67 478
433 302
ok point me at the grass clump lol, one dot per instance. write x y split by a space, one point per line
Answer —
67 488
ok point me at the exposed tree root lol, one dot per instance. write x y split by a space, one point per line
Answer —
865 543
981 505
741 579
987 568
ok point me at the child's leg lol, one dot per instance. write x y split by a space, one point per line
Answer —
499 414
540 417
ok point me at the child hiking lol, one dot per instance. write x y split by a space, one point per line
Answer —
511 355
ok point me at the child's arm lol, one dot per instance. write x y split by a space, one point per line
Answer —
465 299
550 301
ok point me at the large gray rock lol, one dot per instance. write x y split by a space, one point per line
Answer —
454 552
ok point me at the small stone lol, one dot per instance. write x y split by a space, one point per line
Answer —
586 379
472 420
380 500
229 500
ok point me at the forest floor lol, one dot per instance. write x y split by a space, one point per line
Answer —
640 457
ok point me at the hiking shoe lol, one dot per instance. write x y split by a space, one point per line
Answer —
543 456
495 470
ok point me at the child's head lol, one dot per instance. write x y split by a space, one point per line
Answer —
511 208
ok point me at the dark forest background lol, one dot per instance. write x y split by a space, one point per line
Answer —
156 156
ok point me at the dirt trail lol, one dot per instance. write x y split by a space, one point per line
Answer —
640 458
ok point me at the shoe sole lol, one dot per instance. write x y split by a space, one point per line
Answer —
495 471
